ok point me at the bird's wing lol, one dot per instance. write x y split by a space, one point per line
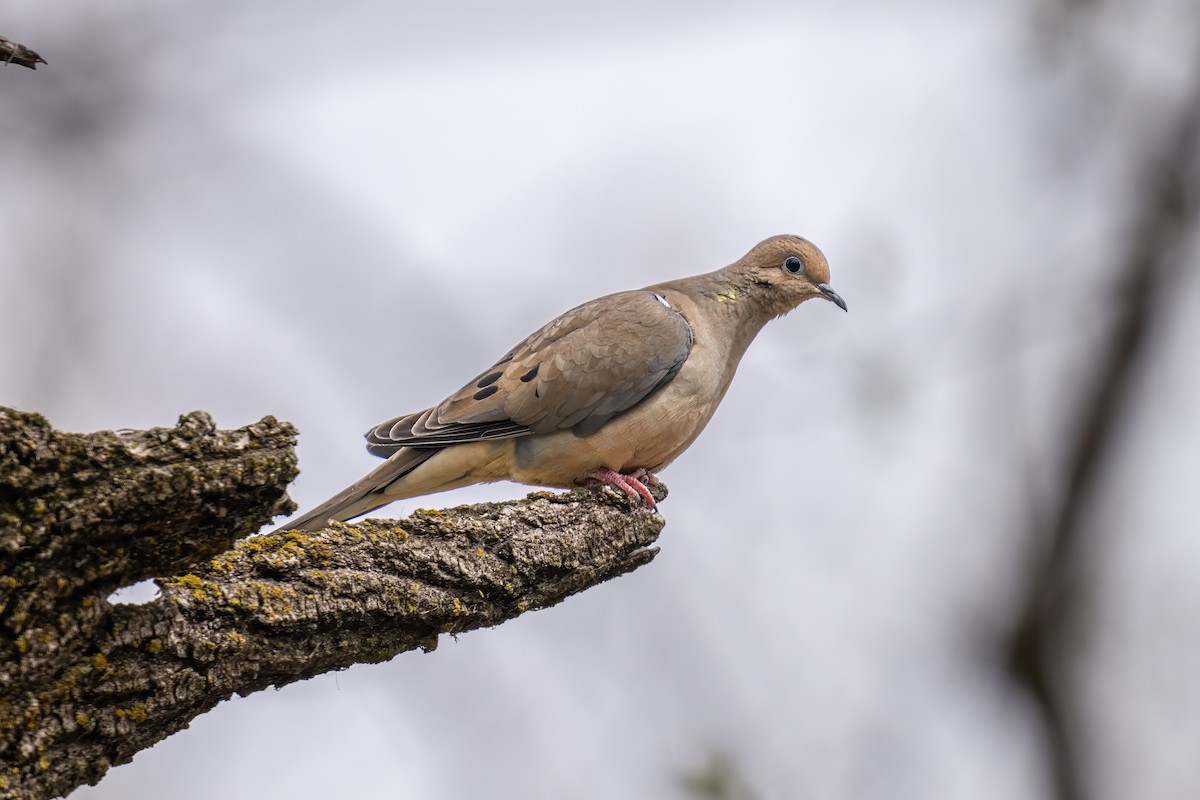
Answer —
577 372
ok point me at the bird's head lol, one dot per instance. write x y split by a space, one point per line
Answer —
782 272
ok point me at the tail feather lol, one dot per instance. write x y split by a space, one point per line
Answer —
365 495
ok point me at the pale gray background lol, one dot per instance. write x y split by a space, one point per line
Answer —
337 212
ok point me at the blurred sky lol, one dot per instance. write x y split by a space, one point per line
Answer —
335 213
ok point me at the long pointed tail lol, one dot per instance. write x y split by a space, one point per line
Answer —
365 495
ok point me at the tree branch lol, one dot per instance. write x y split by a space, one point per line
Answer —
15 53
85 685
1168 206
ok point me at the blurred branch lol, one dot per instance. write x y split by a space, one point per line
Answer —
15 53
1166 212
718 778
85 685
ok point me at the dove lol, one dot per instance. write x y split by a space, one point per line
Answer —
611 392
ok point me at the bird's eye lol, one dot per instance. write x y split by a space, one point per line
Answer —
793 265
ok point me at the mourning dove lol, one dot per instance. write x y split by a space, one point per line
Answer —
610 392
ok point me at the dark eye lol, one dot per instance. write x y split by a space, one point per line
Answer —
793 265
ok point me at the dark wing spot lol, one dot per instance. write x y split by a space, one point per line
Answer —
485 393
488 380
528 376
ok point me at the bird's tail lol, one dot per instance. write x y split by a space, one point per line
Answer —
365 495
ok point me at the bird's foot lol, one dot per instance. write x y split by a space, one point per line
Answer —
633 483
646 476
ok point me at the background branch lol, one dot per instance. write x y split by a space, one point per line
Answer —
1166 210
15 53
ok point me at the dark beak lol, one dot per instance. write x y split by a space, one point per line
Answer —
832 296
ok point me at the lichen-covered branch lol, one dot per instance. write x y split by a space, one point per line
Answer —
85 685
16 53
82 515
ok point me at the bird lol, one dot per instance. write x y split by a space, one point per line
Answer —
610 392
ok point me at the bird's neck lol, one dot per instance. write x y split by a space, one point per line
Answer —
735 311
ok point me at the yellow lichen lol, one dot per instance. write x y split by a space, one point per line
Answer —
82 720
252 545
154 646
201 589
99 661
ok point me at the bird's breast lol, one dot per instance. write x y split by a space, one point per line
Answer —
649 435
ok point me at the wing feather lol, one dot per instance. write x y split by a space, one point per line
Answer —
577 372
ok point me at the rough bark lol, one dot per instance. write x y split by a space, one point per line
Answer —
85 685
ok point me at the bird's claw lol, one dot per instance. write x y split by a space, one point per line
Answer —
646 476
633 483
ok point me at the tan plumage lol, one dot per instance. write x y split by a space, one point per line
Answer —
623 383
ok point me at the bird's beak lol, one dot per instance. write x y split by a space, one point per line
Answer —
832 296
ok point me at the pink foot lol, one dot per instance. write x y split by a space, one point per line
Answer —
646 476
631 483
